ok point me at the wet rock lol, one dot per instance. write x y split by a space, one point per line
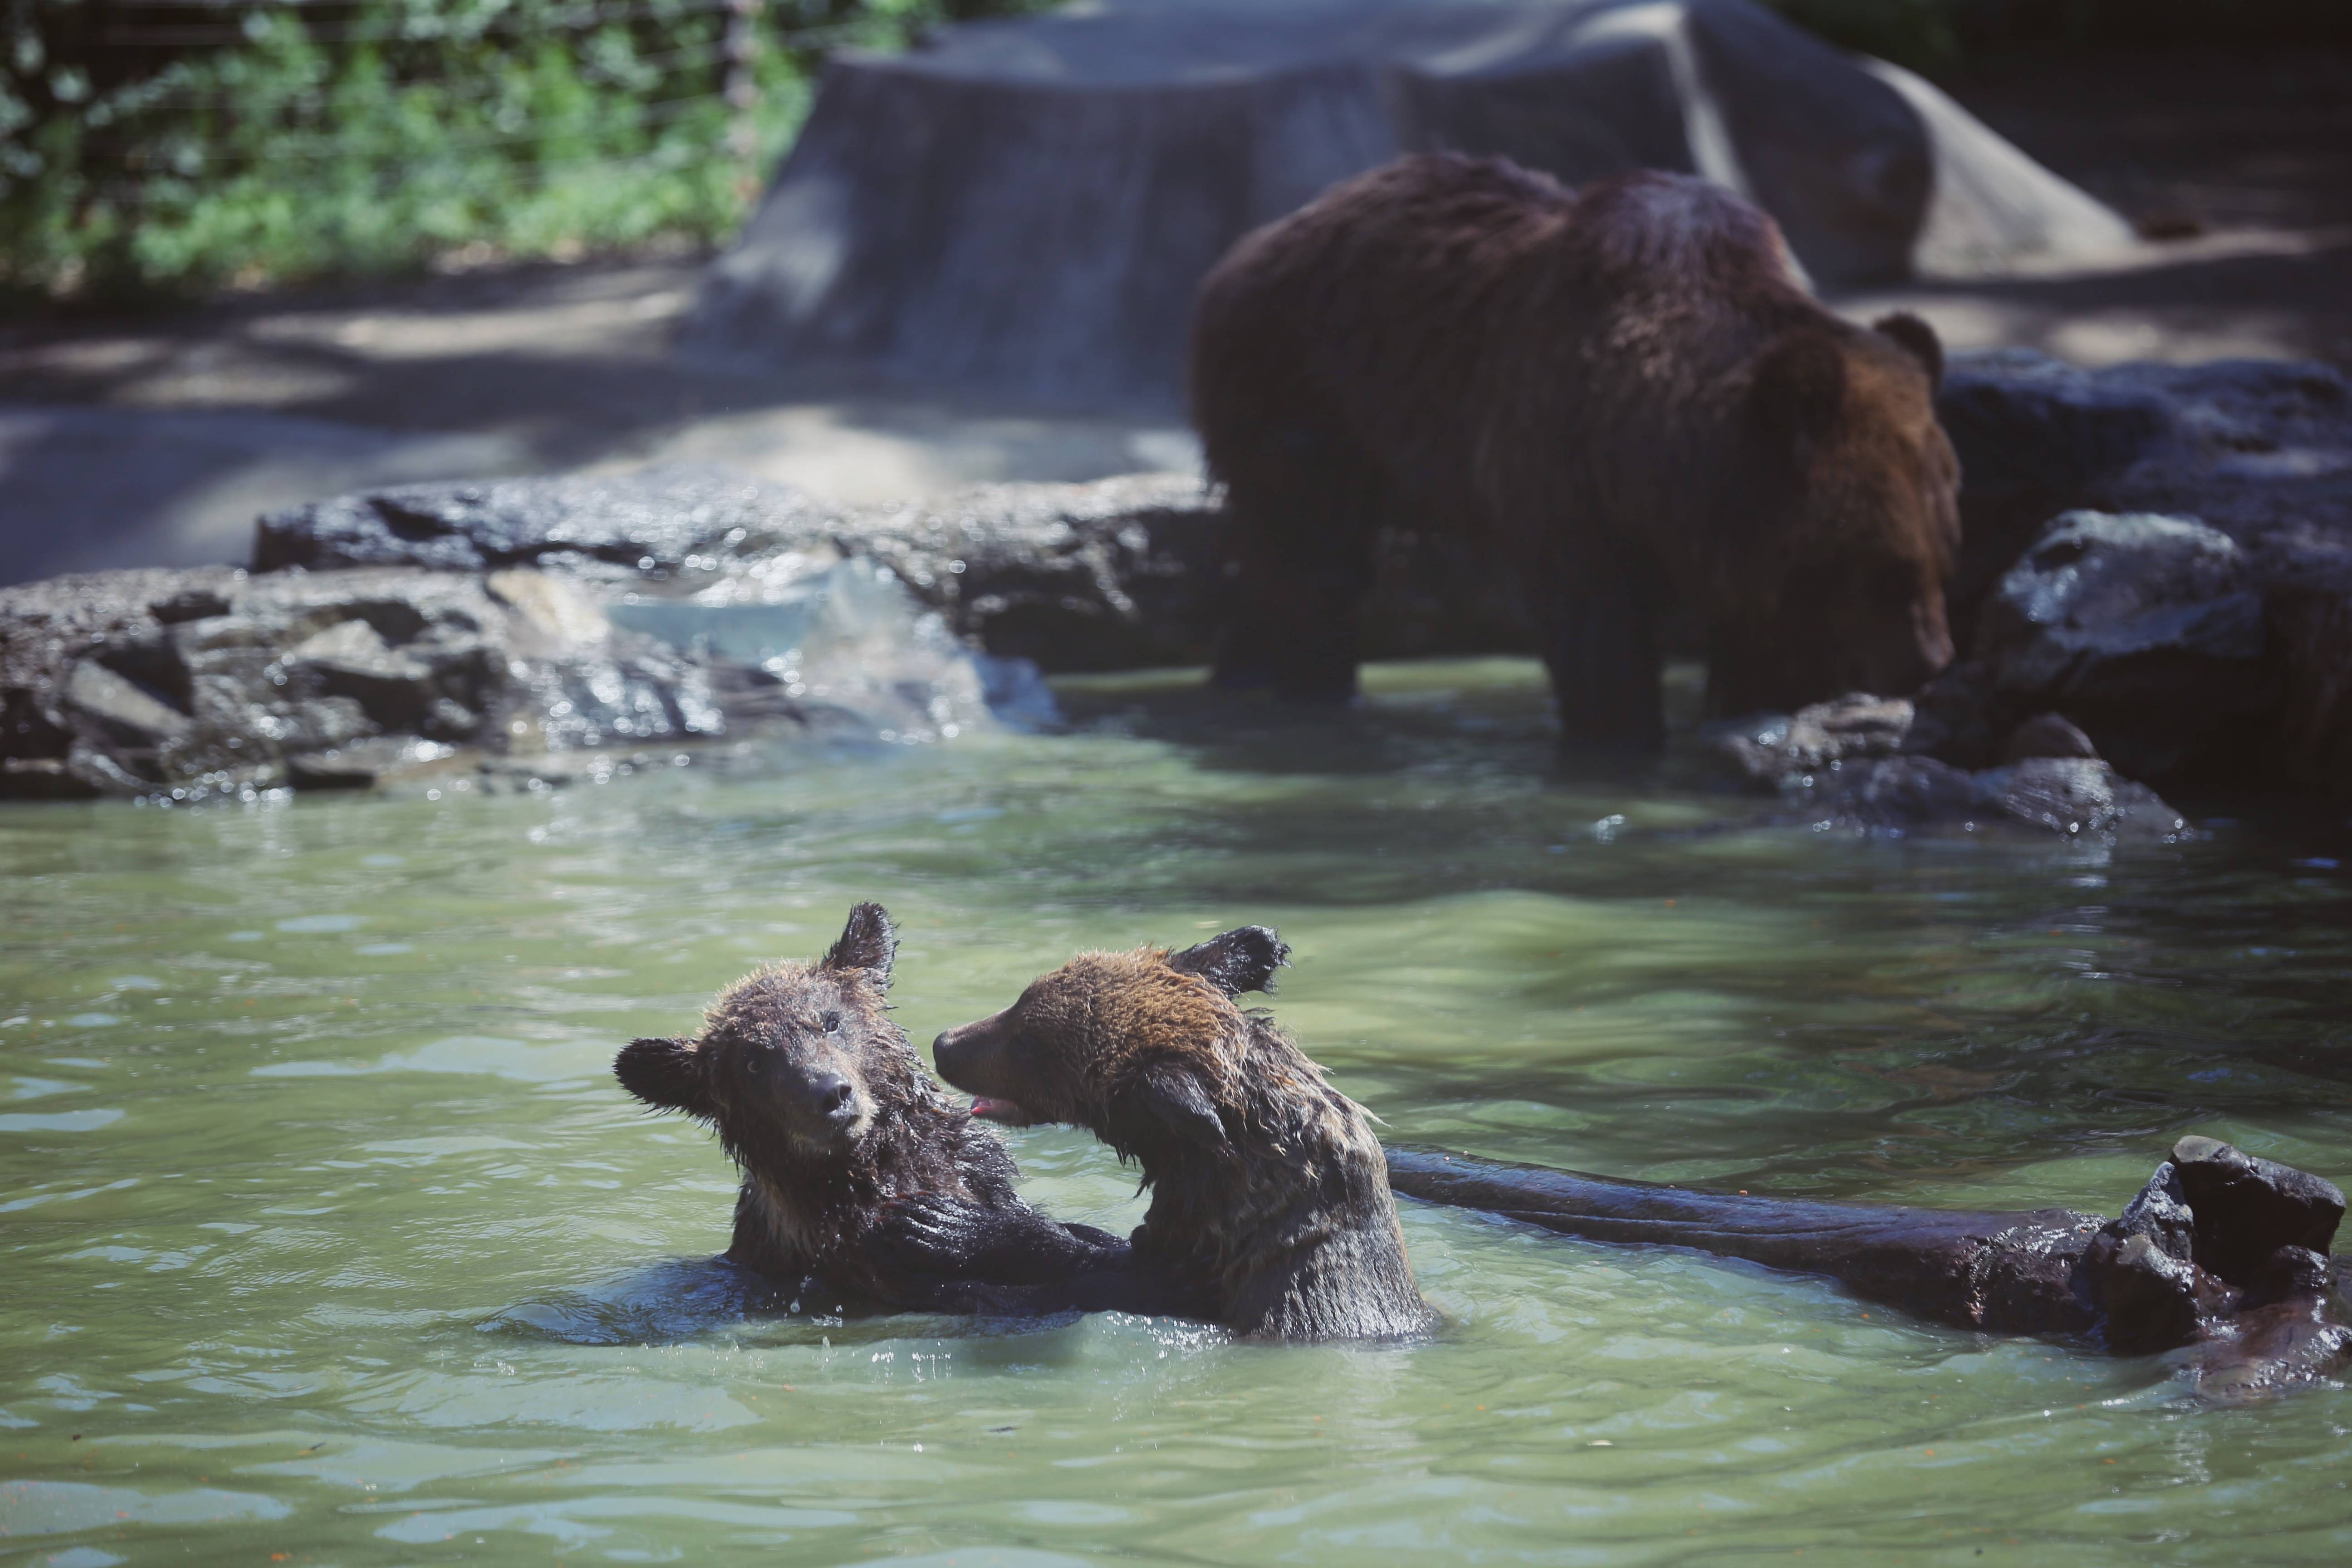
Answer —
2048 735
2035 436
2248 1207
2270 1351
2160 1212
2146 632
2289 1273
2227 1251
362 764
1957 717
997 135
1777 749
1079 576
2255 449
2151 1301
200 683
119 710
1892 792
655 519
2076 796
1113 575
1118 573
193 604
352 659
1856 760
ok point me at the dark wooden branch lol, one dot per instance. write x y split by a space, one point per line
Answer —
2220 1250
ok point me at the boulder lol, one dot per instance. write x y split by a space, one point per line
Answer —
1027 205
2247 1208
1859 760
2256 447
1118 573
2077 795
2035 436
2258 450
2048 735
2144 632
1776 749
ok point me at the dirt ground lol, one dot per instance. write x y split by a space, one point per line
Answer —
157 439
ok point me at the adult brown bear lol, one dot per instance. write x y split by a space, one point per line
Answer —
1624 392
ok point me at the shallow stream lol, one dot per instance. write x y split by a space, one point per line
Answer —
325 1236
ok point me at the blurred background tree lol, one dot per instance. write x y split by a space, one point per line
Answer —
170 147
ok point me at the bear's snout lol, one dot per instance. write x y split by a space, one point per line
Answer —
971 1057
819 1102
834 1096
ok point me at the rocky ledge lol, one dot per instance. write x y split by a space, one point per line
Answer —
1095 577
528 625
2162 554
2156 586
1119 574
188 683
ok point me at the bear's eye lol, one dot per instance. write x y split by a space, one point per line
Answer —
832 1022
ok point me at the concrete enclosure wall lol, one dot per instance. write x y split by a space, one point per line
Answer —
1026 206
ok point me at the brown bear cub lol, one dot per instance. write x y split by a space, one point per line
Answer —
821 1100
1269 1194
1624 393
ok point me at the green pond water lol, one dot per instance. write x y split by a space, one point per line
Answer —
327 1238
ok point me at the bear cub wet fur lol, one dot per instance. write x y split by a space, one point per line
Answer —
1270 1197
822 1102
1623 393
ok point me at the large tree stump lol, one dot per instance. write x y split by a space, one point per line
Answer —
1026 206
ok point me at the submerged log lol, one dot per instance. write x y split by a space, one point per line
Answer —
2005 1273
2220 1250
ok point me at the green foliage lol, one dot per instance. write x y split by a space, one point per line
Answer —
382 135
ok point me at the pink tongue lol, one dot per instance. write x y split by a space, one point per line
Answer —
997 1110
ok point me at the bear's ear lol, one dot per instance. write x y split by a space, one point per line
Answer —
1243 959
664 1074
869 942
1799 390
1919 338
1173 1098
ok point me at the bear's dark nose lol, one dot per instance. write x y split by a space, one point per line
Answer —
969 1048
832 1094
945 1051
